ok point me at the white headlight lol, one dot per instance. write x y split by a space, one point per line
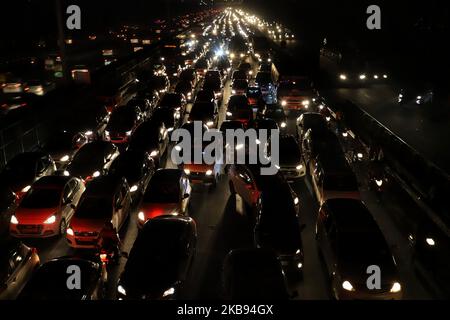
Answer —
64 158
169 292
233 91
50 220
328 118
385 76
229 113
379 182
70 231
359 155
14 220
128 133
134 188
96 174
283 124
430 242
66 173
299 167
362 76
154 153
121 289
296 201
25 189
347 286
419 97
345 134
88 133
305 102
343 77
187 171
107 132
209 172
283 103
210 123
396 287
141 216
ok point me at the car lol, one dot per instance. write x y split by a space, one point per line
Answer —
122 124
50 281
207 112
173 70
168 193
170 117
18 262
106 200
25 168
265 82
291 162
39 87
62 146
205 95
137 167
189 75
201 66
277 223
151 95
265 67
318 142
160 259
47 208
230 124
276 113
312 120
174 101
145 106
246 67
189 58
159 83
238 109
253 273
8 205
239 74
239 87
224 66
185 88
295 95
332 177
213 81
349 241
92 160
254 97
151 136
13 101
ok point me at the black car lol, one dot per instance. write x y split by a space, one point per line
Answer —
239 87
312 120
135 166
92 160
277 224
145 105
207 112
151 136
189 75
25 168
52 281
123 122
277 114
291 162
159 83
349 241
213 81
239 74
174 101
17 265
253 274
185 88
159 260
205 95
62 145
170 117
150 95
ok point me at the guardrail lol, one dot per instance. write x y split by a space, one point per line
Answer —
429 182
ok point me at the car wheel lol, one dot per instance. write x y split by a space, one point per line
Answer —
63 227
232 190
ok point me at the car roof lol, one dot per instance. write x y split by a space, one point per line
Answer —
351 214
52 181
168 174
104 186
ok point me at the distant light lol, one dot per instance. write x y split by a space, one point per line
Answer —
430 242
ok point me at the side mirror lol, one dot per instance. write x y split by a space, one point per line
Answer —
186 195
124 254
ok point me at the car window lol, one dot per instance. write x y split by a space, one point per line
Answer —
68 191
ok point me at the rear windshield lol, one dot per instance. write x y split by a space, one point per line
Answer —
95 208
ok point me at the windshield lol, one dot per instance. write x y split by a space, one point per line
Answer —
162 192
95 208
41 198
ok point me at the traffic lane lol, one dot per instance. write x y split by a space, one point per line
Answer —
417 125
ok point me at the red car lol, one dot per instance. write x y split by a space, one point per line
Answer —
47 208
168 193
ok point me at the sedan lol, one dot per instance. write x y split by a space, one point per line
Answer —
239 87
122 124
51 281
185 88
25 168
47 208
291 162
168 193
17 265
92 160
160 259
206 112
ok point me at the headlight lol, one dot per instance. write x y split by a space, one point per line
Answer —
128 133
379 182
88 133
64 158
250 72
154 153
209 172
345 134
328 118
233 91
419 97
283 125
66 173
321 106
343 77
175 74
50 220
242 55
24 190
359 155
305 102
229 113
107 132
283 103
375 76
96 174
134 188
14 220
296 201
232 55
210 123
169 292
430 242
396 287
299 167
121 290
400 95
69 231
187 171
347 286
141 216
385 76
362 76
